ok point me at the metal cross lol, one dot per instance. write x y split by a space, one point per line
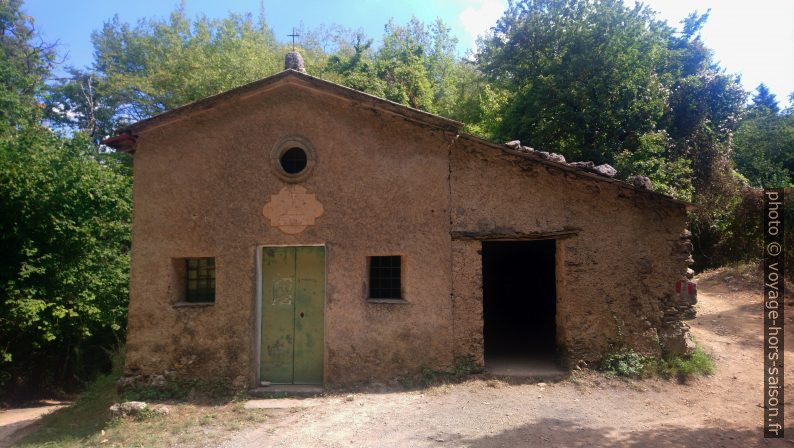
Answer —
293 36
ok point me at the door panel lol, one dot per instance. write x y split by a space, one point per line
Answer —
293 300
278 309
309 301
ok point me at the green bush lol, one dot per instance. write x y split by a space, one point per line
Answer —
628 363
699 363
65 234
631 364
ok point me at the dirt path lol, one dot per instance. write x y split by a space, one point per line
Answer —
588 410
14 422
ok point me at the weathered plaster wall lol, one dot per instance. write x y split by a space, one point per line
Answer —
467 300
200 187
614 274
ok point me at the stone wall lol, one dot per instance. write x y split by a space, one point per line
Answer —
618 250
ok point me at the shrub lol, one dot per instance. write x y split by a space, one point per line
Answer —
631 364
65 234
627 363
699 363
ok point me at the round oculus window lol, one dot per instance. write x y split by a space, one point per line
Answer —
293 160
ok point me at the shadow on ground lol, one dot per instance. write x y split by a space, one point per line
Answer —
563 433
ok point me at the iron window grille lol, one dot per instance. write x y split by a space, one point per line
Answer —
200 280
385 280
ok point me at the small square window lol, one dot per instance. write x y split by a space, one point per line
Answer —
385 277
200 286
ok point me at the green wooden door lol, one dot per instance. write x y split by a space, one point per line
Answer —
293 298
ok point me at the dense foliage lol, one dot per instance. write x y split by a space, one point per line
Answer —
24 63
764 142
64 232
594 80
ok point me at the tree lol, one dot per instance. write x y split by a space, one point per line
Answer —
584 76
159 65
610 83
764 143
406 63
64 230
85 102
672 177
354 67
765 100
478 103
24 63
703 110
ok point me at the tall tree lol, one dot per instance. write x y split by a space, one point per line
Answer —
84 101
764 99
591 80
406 63
583 75
162 64
354 66
704 106
764 143
25 60
64 231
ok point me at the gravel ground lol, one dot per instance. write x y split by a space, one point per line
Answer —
585 410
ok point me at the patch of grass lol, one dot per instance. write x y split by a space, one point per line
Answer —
700 363
186 424
207 419
87 422
147 414
406 381
628 364
631 364
86 416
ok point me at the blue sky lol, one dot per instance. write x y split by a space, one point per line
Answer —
754 38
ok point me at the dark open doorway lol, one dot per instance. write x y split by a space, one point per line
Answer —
519 302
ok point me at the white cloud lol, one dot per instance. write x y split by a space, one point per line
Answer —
479 16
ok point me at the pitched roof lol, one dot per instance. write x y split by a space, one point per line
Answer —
124 141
